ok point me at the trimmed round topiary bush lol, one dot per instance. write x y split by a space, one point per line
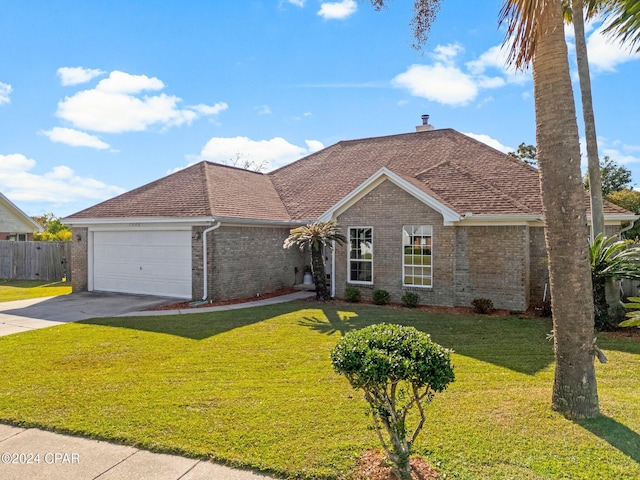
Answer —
381 297
410 300
398 368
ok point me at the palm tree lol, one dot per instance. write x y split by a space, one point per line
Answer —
574 12
536 30
535 33
621 14
316 237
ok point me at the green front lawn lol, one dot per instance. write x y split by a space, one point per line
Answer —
255 387
11 290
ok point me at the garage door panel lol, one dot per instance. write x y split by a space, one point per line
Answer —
144 262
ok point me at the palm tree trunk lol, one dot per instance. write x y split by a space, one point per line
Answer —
574 389
595 182
319 275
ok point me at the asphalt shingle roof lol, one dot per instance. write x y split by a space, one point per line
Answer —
458 171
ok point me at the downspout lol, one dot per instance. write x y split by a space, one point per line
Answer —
333 269
205 271
628 227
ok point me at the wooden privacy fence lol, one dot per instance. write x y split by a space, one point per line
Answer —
47 261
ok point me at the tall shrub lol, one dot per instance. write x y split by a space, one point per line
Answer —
398 368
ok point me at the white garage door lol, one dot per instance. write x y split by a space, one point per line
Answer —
143 262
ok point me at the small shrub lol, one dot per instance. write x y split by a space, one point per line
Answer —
381 297
410 300
482 305
352 294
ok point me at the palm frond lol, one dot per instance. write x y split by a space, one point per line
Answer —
623 21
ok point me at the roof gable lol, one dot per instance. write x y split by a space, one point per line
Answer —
14 220
407 185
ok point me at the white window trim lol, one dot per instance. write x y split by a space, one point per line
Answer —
405 285
356 282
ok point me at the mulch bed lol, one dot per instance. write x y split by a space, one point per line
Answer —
633 333
373 466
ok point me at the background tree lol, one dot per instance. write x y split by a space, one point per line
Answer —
54 229
614 177
535 34
315 237
398 368
526 153
630 200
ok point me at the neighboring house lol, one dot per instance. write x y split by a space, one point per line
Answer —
14 223
433 212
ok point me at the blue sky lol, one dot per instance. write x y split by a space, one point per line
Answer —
97 98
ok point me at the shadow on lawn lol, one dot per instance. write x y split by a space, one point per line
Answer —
197 326
517 344
619 436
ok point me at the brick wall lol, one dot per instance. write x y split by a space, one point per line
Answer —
539 266
246 261
79 260
493 262
468 262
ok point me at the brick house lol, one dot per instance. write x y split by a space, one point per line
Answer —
14 223
432 212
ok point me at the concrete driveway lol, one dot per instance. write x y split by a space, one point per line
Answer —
23 315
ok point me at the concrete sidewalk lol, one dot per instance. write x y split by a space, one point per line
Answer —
35 454
32 454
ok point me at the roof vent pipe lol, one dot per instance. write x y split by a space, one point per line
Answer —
426 126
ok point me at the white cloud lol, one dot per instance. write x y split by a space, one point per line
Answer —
263 110
447 53
605 54
297 3
5 91
75 138
210 109
495 58
447 83
273 153
59 186
114 107
337 10
314 145
122 82
439 83
77 75
492 142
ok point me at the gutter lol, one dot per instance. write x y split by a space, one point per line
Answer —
205 272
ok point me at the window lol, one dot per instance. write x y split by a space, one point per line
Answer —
416 262
19 237
361 254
